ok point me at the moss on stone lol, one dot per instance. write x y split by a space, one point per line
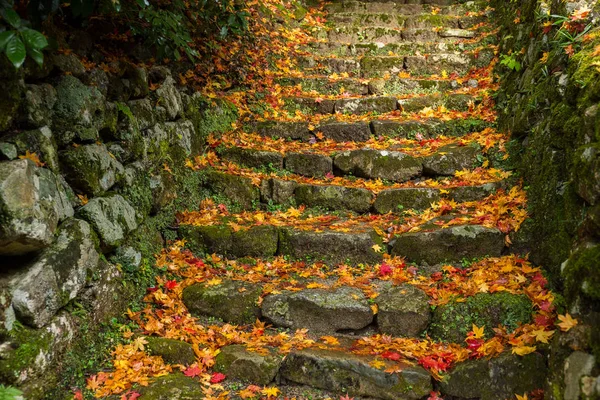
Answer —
581 274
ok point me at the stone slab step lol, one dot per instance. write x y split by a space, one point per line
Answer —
378 104
446 7
397 21
383 35
334 247
357 87
343 372
450 244
343 49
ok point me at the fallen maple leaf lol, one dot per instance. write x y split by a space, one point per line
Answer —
192 371
217 377
171 284
566 322
32 157
385 269
376 248
270 392
523 350
478 332
78 395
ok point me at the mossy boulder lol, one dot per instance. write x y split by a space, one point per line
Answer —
39 141
232 301
343 372
237 362
38 104
389 165
587 173
403 311
330 246
581 275
173 386
278 191
112 217
497 378
308 164
334 197
172 351
240 190
168 97
287 130
452 321
309 105
449 159
394 200
449 244
12 93
91 168
322 311
462 194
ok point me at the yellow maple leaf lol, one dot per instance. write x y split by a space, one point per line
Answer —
566 322
377 364
83 198
478 332
376 248
330 340
523 350
33 157
524 397
270 392
542 336
374 308
213 282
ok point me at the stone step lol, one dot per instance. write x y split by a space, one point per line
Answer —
360 87
377 104
362 131
384 35
397 21
445 7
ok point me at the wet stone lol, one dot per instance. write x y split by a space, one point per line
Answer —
323 311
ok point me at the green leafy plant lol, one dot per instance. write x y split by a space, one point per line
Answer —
10 393
17 40
510 61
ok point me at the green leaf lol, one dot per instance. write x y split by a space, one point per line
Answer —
143 3
37 55
34 39
15 51
11 17
5 37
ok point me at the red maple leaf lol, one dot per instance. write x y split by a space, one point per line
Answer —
390 355
434 396
171 285
193 371
78 395
385 269
217 377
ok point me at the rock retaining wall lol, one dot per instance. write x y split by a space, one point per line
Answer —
109 145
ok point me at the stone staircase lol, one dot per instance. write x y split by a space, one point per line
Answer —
381 172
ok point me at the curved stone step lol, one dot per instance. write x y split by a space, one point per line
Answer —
426 128
448 244
397 21
344 372
384 35
446 7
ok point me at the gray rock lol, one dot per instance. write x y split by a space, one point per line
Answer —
143 113
308 164
345 131
252 158
366 104
168 97
237 362
394 200
112 217
403 311
497 378
68 64
330 246
55 192
172 351
57 276
28 220
348 373
277 190
472 193
127 256
39 141
334 197
323 311
172 387
37 105
91 168
8 151
389 165
449 159
577 365
449 244
232 301
291 130
238 189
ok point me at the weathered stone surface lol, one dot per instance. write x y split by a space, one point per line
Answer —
366 104
495 379
330 246
39 141
168 96
393 200
57 276
28 221
452 321
308 164
347 373
587 175
252 158
288 130
577 365
91 168
68 64
472 193
449 159
112 217
436 63
334 197
55 193
403 311
8 151
143 112
323 311
172 387
240 363
402 129
389 165
346 131
449 244
277 191
171 350
37 105
232 301
238 189
457 33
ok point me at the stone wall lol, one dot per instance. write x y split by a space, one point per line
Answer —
550 104
107 147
